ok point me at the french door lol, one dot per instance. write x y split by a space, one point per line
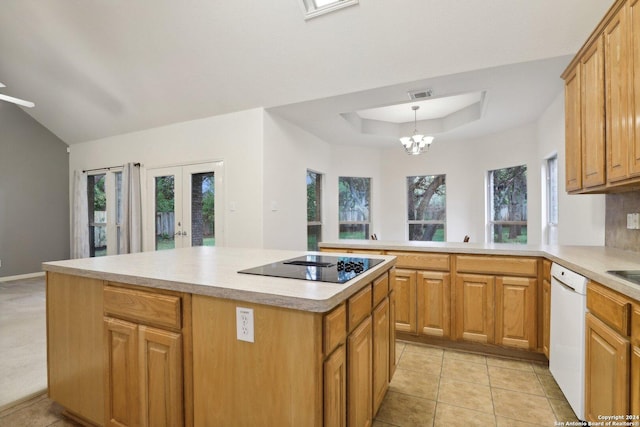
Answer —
185 206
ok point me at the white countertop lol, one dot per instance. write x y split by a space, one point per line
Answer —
213 271
589 261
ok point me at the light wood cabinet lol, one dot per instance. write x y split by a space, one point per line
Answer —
359 375
434 303
392 333
405 288
515 312
475 308
573 129
143 364
75 363
618 120
381 352
335 388
546 316
607 370
633 20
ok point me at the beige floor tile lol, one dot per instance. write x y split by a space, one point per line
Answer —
399 349
469 357
512 379
522 407
461 370
377 423
550 387
563 410
406 411
449 415
508 422
419 362
509 363
540 368
419 385
424 349
42 412
466 395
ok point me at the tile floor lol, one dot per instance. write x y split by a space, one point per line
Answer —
431 387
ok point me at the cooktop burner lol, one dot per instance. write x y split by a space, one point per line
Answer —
321 268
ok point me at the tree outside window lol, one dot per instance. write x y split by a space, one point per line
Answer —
426 207
314 209
354 195
508 205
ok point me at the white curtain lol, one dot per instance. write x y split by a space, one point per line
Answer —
131 221
80 216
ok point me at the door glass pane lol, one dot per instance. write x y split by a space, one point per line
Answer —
97 215
203 209
165 212
426 232
354 231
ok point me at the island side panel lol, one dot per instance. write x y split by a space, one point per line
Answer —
276 380
75 348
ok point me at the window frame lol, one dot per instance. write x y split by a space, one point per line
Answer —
319 193
367 223
113 201
425 222
490 208
311 10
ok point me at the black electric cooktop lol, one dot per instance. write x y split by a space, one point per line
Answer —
321 268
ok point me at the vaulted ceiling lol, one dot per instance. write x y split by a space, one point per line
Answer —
99 68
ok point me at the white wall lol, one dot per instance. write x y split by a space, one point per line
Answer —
465 164
581 217
288 152
236 139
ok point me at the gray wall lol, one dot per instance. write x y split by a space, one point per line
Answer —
34 194
616 233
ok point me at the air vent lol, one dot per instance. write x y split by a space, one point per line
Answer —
420 94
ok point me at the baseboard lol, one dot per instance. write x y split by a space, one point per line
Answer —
21 276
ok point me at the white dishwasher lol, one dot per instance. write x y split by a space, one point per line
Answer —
567 341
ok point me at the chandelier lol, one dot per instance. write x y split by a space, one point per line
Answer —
416 143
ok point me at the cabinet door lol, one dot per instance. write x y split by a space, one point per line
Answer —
593 129
434 303
359 383
380 353
515 312
122 400
573 130
475 308
635 381
405 288
634 66
392 334
546 316
606 370
617 96
160 377
335 389
75 364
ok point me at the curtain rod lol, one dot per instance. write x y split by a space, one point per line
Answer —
108 168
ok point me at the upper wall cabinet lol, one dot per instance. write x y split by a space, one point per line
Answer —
602 106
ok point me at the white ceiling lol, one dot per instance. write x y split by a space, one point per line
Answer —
99 68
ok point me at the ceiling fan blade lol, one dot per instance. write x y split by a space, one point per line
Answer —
18 101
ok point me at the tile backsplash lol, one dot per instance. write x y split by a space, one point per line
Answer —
616 233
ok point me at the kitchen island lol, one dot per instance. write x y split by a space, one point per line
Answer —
157 338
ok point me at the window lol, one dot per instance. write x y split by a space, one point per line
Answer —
313 8
104 196
508 205
552 200
426 207
314 210
354 195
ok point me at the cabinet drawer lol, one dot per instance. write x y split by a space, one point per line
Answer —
635 325
422 261
500 265
143 307
610 307
335 328
359 307
380 289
